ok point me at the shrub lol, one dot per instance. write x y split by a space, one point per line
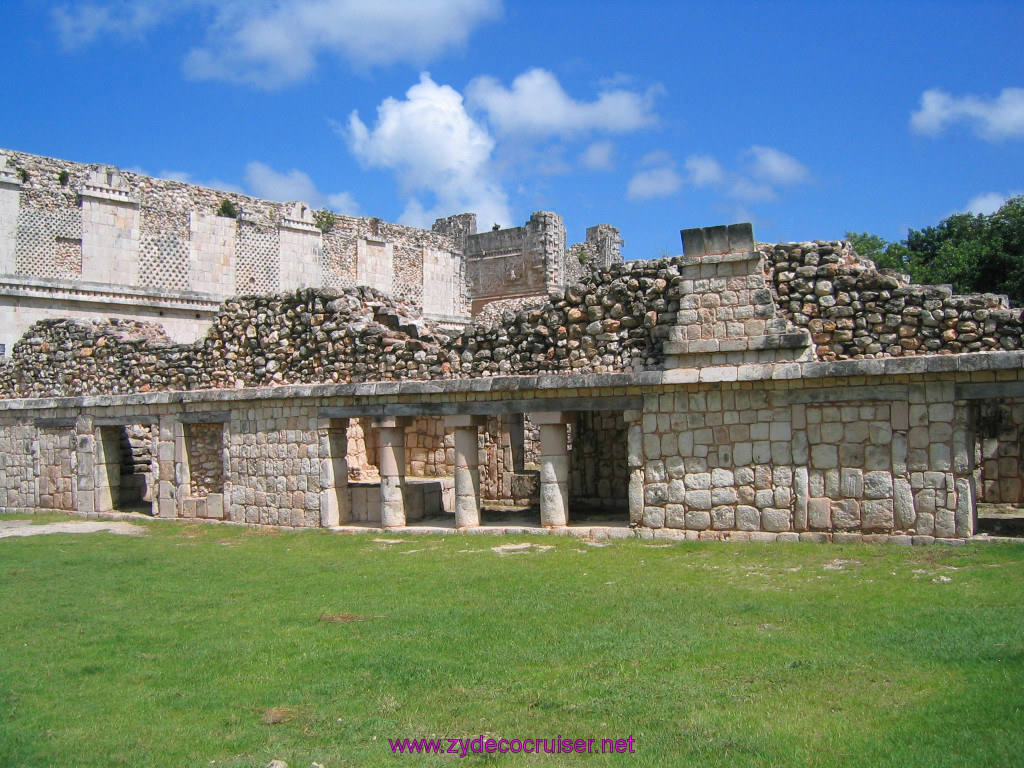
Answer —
227 209
325 219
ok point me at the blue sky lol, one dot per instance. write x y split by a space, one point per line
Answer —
807 118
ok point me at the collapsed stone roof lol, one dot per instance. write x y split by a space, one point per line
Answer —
616 319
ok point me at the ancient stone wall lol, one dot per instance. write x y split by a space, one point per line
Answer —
999 426
602 248
615 322
94 226
883 458
598 472
854 311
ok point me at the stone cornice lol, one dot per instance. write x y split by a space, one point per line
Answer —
525 388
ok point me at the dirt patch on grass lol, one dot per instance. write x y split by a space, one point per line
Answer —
17 528
275 715
343 618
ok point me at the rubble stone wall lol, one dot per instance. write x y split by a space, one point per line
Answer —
855 311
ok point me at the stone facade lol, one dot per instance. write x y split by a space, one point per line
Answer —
685 397
92 241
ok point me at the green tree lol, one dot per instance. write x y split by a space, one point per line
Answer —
975 253
886 255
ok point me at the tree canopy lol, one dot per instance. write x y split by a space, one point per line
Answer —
975 253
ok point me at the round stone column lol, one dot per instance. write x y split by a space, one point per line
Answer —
554 468
391 458
467 469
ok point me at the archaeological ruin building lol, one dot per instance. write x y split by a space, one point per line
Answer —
192 353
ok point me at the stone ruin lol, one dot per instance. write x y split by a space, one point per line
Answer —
738 391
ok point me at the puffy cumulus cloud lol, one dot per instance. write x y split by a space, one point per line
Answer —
996 118
660 181
270 184
704 171
750 191
270 43
989 202
758 172
435 147
598 156
536 106
770 166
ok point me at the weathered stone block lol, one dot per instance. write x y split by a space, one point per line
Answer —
846 514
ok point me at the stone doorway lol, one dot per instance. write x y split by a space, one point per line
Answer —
125 470
598 469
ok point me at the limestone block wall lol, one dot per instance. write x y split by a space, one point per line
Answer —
9 194
888 457
275 464
211 253
301 251
429 449
18 466
56 469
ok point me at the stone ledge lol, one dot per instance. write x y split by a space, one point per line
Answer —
965 362
106 293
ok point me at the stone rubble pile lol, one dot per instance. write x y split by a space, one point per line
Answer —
617 319
855 311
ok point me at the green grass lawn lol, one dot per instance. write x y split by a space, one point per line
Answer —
200 645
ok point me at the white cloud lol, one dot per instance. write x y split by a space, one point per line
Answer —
989 202
81 24
536 105
269 184
704 171
751 191
270 43
996 118
771 166
598 156
761 169
662 181
435 147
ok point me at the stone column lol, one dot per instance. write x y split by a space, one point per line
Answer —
85 465
181 476
467 468
966 515
391 458
335 500
635 460
554 468
166 491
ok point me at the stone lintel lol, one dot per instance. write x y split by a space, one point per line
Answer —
867 393
549 417
458 421
992 390
389 422
124 421
206 417
55 423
